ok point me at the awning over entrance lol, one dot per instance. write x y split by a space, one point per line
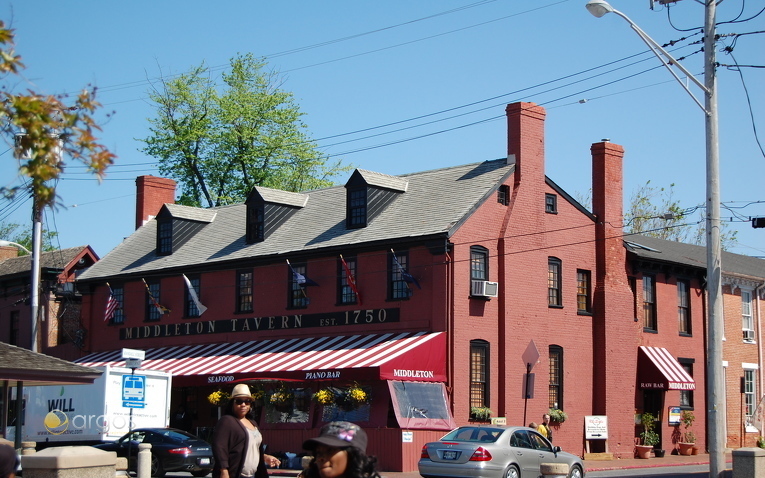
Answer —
419 356
658 369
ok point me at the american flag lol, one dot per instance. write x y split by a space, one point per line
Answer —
350 279
112 304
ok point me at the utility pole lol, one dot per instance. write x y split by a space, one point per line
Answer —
715 376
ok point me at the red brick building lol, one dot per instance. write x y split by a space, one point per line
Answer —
425 290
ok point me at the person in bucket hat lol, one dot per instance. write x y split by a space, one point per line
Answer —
236 440
340 451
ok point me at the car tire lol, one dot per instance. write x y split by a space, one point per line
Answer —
511 472
201 473
575 472
156 467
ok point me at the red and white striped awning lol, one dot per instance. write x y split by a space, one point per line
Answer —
662 371
417 356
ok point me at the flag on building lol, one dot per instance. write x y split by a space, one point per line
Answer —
161 308
350 280
194 297
301 279
112 304
408 278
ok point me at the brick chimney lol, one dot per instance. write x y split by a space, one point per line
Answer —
526 141
614 326
8 252
151 193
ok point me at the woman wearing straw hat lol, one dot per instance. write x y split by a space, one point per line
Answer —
236 440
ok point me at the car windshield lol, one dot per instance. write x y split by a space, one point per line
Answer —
479 434
177 435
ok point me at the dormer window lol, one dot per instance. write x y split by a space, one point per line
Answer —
357 208
368 194
165 236
267 209
255 223
177 224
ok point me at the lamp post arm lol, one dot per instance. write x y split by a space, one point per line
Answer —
659 51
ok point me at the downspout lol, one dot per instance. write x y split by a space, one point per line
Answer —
759 337
449 325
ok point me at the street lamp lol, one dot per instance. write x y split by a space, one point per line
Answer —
715 385
35 288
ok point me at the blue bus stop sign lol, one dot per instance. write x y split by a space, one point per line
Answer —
133 391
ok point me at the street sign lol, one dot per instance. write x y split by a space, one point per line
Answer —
133 391
133 363
530 356
596 427
133 353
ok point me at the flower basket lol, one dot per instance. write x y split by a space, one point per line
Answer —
325 396
282 398
480 413
351 398
218 398
556 415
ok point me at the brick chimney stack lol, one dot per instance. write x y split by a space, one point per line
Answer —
614 326
8 252
151 193
526 141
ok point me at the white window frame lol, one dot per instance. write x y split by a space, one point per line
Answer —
747 319
750 368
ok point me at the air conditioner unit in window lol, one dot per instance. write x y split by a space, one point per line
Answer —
483 288
749 335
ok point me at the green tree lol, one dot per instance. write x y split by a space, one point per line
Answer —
9 231
654 211
220 142
42 129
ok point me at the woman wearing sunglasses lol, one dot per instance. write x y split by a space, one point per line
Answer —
236 440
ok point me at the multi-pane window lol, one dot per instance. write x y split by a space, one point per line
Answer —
13 336
686 396
165 237
347 295
747 321
554 295
750 402
255 223
555 390
479 263
119 313
397 285
551 203
153 301
357 207
684 307
649 303
503 195
583 290
191 307
479 373
244 291
298 298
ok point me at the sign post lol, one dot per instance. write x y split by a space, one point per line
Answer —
133 388
530 358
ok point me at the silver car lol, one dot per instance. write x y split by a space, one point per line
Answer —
493 452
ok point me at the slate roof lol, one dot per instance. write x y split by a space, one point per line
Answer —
191 213
434 204
692 255
278 196
56 260
17 364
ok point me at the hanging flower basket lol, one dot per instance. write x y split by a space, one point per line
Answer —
352 398
218 398
282 398
325 396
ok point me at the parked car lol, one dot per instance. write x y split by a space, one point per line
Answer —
493 451
171 450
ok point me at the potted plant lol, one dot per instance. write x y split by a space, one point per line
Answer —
689 438
324 396
218 398
649 436
281 398
557 415
480 413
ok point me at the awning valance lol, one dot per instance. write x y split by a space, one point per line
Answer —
419 356
658 369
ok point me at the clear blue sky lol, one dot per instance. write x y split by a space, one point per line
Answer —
454 64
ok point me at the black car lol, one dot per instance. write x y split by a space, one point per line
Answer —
171 450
